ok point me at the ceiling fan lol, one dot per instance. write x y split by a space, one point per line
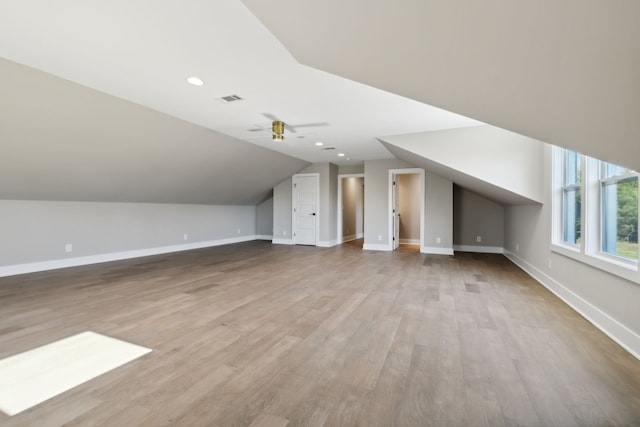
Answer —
278 127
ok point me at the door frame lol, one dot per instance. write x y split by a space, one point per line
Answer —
294 206
340 207
407 171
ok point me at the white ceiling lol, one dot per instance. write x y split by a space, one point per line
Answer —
566 72
63 141
143 51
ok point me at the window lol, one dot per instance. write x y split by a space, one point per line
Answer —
595 213
571 197
619 206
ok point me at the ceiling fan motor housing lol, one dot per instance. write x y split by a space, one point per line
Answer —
277 128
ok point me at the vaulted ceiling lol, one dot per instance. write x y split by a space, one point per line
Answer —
563 72
95 106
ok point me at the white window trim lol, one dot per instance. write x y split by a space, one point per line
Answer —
589 251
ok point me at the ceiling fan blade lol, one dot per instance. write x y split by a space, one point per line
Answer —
290 128
271 117
308 125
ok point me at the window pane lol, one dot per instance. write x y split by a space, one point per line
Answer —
573 164
609 170
571 230
620 218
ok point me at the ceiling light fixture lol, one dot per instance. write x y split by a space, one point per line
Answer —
319 144
340 154
277 127
196 81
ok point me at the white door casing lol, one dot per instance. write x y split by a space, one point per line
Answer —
341 177
396 212
305 209
392 217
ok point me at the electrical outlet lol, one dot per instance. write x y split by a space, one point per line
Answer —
517 247
379 237
438 240
186 236
478 238
284 232
238 231
68 247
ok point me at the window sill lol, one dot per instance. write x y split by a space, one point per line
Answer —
625 270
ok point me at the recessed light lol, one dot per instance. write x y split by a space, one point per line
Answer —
319 144
340 154
196 81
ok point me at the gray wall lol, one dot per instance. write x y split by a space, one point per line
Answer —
607 300
264 219
328 183
38 231
332 214
350 169
376 199
474 215
438 207
409 207
438 216
352 207
282 205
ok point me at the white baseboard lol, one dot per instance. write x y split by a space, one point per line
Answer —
352 237
628 339
372 247
264 237
479 249
326 243
436 251
409 241
282 241
12 270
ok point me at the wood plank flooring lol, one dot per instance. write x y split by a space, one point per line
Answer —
255 334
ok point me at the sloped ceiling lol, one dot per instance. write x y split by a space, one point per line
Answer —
143 51
559 72
496 163
562 72
63 141
84 141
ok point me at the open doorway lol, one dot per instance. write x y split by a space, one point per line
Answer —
406 209
351 209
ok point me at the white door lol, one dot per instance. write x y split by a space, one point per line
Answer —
396 214
305 204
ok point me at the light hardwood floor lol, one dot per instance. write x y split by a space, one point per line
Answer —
255 334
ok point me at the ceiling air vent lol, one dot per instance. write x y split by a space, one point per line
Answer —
329 148
230 98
